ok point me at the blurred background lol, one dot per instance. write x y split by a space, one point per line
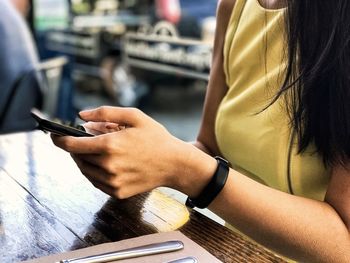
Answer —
150 54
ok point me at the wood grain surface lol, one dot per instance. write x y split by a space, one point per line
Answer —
47 206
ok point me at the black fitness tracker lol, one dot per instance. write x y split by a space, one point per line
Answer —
213 188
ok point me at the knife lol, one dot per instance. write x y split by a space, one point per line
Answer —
151 249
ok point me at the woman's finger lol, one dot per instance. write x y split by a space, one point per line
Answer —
93 172
94 159
124 116
98 128
104 188
102 179
82 145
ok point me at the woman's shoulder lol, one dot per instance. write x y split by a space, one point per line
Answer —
223 15
225 7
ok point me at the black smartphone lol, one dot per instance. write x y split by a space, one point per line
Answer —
56 127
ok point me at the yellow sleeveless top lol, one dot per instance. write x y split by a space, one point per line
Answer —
262 144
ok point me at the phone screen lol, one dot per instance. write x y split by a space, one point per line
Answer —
56 127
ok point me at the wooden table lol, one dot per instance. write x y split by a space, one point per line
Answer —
47 206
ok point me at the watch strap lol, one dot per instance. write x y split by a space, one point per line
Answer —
213 188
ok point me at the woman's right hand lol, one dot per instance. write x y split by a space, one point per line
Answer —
138 158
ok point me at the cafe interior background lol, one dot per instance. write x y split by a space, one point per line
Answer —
150 54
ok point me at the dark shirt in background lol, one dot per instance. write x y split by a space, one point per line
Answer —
18 59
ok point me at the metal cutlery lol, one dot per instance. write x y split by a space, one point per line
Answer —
151 249
184 260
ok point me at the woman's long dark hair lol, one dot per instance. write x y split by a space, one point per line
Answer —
317 80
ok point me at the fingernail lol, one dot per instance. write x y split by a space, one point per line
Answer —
112 126
87 125
84 113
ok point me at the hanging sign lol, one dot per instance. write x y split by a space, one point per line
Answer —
161 49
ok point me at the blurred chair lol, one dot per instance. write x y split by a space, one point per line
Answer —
50 71
24 82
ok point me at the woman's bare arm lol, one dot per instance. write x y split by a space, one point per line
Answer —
217 87
300 228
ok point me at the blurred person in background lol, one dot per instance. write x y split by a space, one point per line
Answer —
194 15
23 6
277 108
187 15
168 10
19 83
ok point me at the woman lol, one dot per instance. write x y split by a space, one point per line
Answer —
276 107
